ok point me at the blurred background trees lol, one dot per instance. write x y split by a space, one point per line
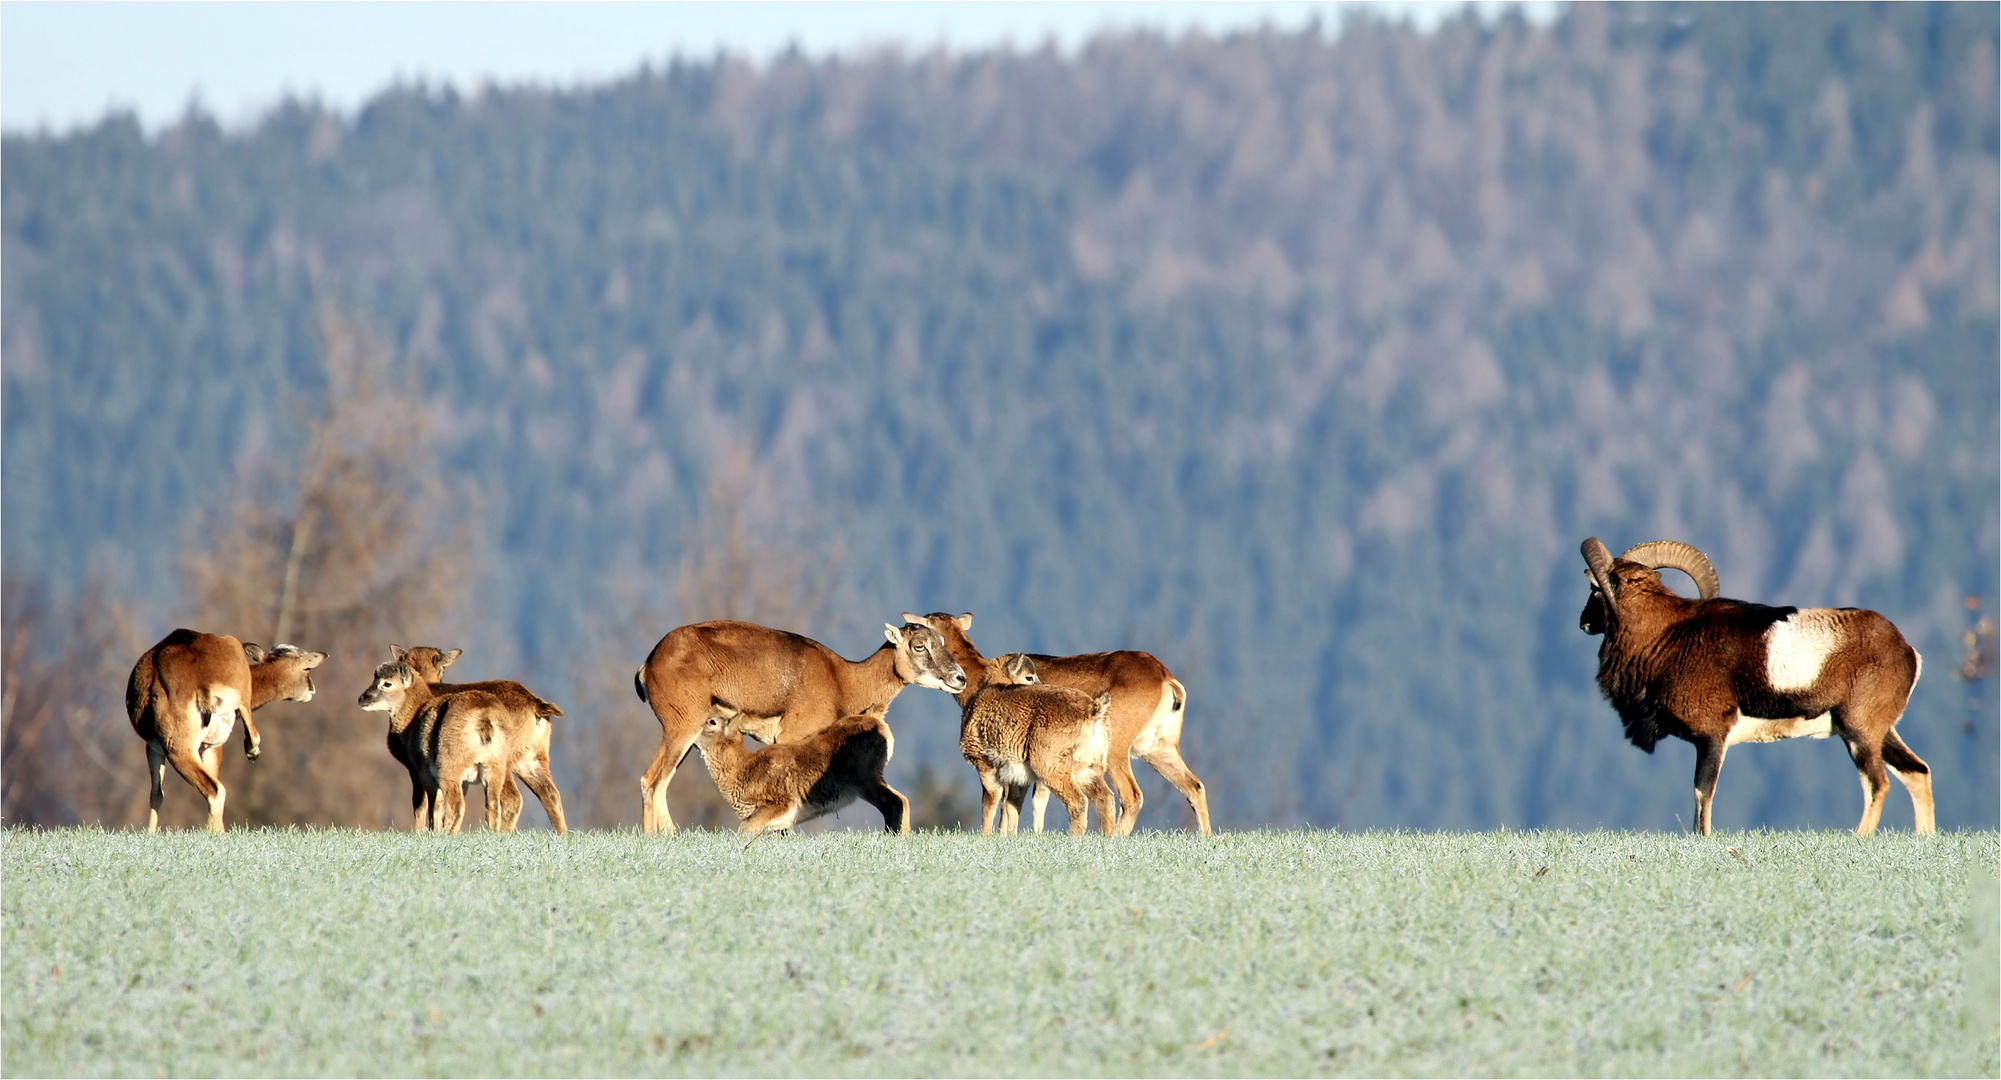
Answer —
1303 360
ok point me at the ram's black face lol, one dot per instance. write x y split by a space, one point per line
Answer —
1592 619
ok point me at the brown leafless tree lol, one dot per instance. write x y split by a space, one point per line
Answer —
352 544
735 564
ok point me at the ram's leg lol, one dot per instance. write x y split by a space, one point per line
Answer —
1708 766
1917 779
1875 784
156 769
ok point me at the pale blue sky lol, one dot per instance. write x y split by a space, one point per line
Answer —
64 64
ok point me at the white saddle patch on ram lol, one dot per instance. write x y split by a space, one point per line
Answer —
1760 729
1797 647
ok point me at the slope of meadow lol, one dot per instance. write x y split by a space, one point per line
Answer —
1271 953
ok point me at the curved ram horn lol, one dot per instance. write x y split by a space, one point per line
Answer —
1598 566
1675 555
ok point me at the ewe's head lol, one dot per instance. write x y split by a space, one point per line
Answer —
392 680
922 656
288 666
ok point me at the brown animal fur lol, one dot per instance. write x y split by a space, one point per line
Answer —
1702 670
450 741
1148 705
185 695
788 783
787 686
530 741
1014 731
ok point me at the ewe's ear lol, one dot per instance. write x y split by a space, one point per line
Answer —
965 621
446 660
253 652
894 635
315 659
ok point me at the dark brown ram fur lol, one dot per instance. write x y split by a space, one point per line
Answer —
1704 671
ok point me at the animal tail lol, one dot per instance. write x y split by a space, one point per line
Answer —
1095 747
639 684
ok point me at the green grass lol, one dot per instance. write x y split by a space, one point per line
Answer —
855 953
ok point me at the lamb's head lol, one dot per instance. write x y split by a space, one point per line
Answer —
287 667
429 663
721 725
1618 583
1011 669
922 656
385 691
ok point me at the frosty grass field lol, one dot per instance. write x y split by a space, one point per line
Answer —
1305 952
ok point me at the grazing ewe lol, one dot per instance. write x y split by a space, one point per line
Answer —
530 741
1015 731
1148 704
185 695
787 686
452 740
1719 672
786 783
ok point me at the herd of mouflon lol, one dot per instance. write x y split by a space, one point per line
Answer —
1712 671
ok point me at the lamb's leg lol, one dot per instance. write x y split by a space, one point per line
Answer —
156 769
895 808
1708 766
777 817
990 798
1100 794
1917 779
535 773
1012 822
452 793
1041 805
503 800
420 803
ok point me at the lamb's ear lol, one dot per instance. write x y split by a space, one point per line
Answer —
894 635
315 659
965 621
398 652
914 620
253 652
1020 667
445 661
404 672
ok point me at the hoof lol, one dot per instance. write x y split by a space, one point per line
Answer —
252 752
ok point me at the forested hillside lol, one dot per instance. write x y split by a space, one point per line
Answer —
1303 360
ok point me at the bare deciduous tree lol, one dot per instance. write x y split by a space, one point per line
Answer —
353 545
734 565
